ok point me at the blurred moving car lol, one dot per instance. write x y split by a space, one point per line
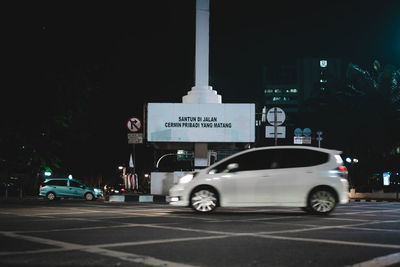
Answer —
117 189
53 188
311 178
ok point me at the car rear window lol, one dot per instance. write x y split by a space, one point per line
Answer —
292 158
57 182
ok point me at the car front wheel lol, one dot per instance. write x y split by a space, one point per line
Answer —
321 201
204 200
89 196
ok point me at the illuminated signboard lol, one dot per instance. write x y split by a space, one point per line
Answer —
386 178
176 122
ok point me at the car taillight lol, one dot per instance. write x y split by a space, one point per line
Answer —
342 171
41 186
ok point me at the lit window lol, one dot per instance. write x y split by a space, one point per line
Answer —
293 91
268 91
278 91
323 81
276 98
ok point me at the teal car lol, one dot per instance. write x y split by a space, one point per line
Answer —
53 188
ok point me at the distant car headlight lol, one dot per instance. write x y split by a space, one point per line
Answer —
186 179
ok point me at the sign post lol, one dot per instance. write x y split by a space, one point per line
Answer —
134 125
276 116
319 138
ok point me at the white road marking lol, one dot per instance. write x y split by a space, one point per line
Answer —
101 248
372 229
328 241
380 261
131 257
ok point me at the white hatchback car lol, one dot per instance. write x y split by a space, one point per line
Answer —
311 178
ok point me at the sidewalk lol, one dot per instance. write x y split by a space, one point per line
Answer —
133 197
372 197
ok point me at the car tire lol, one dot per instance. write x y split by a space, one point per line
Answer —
204 200
321 201
89 196
51 196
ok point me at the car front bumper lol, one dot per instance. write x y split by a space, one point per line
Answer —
177 196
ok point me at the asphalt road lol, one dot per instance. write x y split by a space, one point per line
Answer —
80 233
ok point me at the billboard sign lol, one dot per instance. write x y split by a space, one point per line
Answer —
176 122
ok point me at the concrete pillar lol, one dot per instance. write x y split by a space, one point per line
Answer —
201 155
202 92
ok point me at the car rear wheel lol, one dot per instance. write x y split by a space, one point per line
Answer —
321 201
204 200
89 196
51 196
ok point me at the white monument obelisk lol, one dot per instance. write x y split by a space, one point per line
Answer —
202 93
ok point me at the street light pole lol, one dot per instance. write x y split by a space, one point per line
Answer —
163 156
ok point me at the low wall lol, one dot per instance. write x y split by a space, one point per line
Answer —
375 195
161 182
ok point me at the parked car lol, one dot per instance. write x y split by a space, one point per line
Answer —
53 188
117 189
313 179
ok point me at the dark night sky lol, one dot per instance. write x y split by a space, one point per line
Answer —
147 50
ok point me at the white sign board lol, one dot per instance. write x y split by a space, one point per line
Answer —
300 140
276 116
270 132
176 122
135 138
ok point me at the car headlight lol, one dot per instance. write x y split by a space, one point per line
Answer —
186 179
97 190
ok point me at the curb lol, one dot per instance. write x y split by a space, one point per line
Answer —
137 198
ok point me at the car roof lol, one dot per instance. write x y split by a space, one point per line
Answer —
326 150
61 178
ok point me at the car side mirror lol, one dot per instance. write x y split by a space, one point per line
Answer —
232 167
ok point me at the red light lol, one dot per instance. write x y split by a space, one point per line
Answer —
41 186
122 190
342 168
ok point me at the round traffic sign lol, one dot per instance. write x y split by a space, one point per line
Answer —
276 116
307 131
134 124
298 132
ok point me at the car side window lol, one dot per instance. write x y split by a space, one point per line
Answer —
295 158
57 182
254 160
74 184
